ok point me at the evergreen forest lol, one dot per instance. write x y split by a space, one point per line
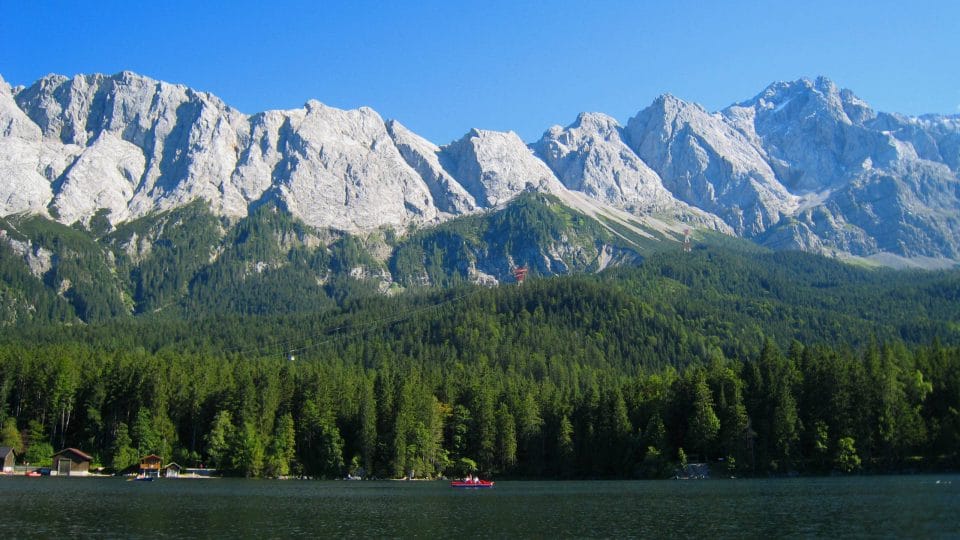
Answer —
757 363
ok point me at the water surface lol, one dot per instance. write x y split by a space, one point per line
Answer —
888 506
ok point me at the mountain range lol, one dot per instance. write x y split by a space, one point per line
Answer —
802 165
125 195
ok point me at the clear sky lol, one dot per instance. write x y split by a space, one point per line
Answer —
442 68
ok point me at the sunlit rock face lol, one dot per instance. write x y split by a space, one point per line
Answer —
802 165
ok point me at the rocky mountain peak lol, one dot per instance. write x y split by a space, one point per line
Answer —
814 133
668 101
590 156
803 159
495 166
13 121
75 110
706 162
805 98
596 122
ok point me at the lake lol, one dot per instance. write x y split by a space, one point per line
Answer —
885 506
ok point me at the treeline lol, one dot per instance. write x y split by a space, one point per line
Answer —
375 411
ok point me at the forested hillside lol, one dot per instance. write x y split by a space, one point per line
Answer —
769 362
187 261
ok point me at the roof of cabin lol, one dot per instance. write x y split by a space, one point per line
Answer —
79 453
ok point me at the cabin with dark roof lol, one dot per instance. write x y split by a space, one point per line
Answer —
151 465
72 462
172 470
8 456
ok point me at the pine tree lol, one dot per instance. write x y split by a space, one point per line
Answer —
703 424
506 439
283 447
565 448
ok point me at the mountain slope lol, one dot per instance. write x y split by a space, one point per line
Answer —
862 189
591 157
535 230
802 165
707 163
134 146
190 261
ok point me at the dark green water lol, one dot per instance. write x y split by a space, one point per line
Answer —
889 506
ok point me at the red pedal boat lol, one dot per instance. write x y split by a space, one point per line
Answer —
472 484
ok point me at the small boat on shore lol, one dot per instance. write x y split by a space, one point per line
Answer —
472 483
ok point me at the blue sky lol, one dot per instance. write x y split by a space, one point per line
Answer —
442 68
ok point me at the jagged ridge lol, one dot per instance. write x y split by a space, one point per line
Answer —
803 165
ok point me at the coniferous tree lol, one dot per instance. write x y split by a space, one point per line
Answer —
734 436
247 451
219 440
368 425
506 439
703 425
565 448
283 447
39 451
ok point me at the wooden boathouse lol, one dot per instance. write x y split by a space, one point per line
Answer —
72 462
151 465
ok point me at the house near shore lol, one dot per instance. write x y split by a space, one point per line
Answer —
8 457
72 462
151 465
172 470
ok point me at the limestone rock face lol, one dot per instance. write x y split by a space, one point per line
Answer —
494 167
23 158
590 156
880 182
424 157
707 163
13 121
133 146
802 165
813 133
187 140
932 137
341 169
104 176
